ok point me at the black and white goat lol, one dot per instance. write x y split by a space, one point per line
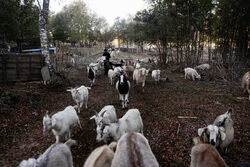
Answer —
123 87
219 134
91 75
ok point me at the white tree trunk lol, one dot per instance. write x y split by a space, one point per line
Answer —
43 18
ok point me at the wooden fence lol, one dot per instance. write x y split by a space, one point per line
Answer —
20 67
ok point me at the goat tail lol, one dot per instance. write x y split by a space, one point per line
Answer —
75 107
113 145
70 142
88 88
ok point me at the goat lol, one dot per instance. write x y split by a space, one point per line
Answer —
80 95
129 69
72 61
91 75
61 122
202 67
116 64
57 155
101 156
191 73
219 134
139 76
107 115
96 66
123 87
156 75
205 155
113 74
133 150
130 122
246 83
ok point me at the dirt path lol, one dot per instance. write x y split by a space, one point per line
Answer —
21 133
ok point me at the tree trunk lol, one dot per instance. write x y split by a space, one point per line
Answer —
177 53
196 48
43 18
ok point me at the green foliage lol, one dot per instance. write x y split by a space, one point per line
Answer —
75 24
59 28
19 22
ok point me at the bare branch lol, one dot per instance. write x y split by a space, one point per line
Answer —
39 5
181 117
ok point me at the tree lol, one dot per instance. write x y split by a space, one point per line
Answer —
59 27
79 21
21 24
43 18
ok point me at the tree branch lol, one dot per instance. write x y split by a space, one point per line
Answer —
39 5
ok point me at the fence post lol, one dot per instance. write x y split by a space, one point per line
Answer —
17 67
30 75
4 69
56 58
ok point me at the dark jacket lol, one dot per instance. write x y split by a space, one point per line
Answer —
107 55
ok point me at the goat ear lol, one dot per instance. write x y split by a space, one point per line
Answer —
201 131
53 122
68 90
229 112
93 117
222 135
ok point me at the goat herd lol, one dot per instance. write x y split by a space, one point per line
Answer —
129 146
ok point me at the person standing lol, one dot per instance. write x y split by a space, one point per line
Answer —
106 61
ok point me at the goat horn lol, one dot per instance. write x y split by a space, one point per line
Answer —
221 123
206 122
230 111
96 113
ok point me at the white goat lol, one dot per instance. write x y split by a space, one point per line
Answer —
91 75
156 75
123 87
137 65
72 61
96 66
61 122
113 74
57 155
140 75
80 95
246 83
133 150
130 122
221 133
202 67
106 116
191 73
101 156
205 155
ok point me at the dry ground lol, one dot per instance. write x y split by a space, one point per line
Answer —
22 107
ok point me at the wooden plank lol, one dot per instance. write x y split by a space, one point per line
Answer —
25 61
20 67
30 67
17 67
23 72
4 68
